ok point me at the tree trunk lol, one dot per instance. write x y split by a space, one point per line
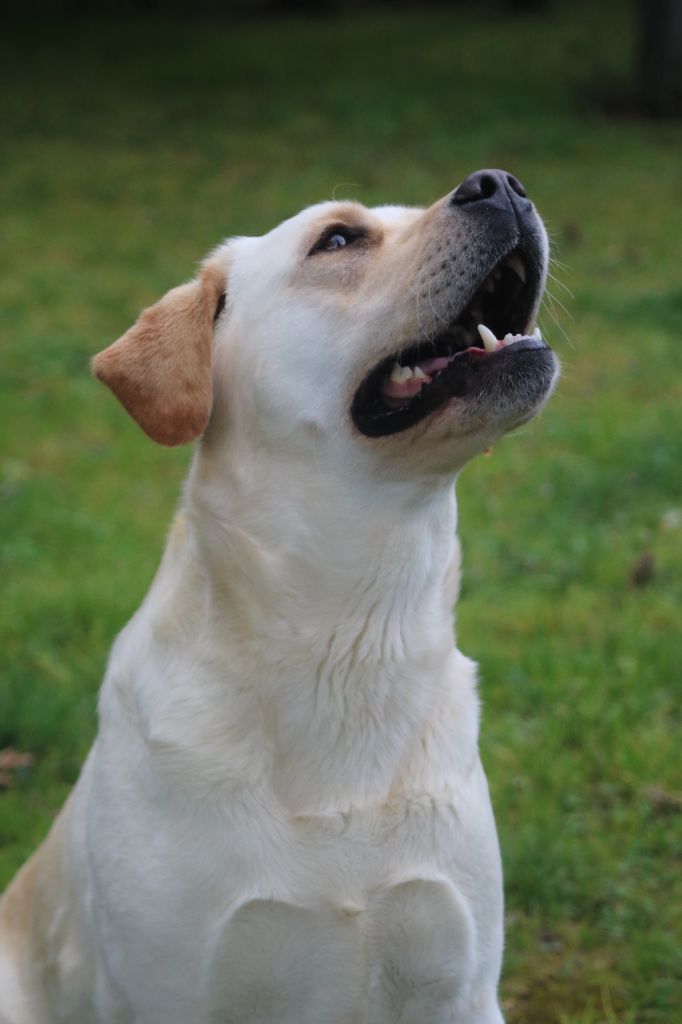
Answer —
660 56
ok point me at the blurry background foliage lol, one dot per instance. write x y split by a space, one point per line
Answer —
131 142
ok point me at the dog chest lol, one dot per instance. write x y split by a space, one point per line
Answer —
405 953
265 918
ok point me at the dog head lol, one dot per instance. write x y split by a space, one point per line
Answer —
347 328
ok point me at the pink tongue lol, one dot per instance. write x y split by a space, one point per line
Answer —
407 389
397 394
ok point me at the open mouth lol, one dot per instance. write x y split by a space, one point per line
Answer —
406 387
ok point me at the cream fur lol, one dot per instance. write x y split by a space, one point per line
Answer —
284 817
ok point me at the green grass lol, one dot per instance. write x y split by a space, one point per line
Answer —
129 149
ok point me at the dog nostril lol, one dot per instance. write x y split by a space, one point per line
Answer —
499 188
516 186
478 186
487 186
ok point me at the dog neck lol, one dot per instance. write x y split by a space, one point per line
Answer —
338 612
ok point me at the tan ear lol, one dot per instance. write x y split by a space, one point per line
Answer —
160 369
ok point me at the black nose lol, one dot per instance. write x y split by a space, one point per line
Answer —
491 187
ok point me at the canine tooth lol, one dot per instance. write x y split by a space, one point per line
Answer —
419 373
487 337
516 264
536 334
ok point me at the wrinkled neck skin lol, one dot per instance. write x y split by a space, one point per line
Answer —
297 557
328 607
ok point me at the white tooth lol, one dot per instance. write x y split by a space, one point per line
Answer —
508 338
487 337
536 334
516 264
399 374
419 373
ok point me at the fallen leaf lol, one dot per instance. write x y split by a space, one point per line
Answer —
12 762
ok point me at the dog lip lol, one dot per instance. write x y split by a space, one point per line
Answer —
375 412
465 374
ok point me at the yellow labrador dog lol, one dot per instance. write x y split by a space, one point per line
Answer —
284 819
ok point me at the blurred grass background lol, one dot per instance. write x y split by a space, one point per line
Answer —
130 146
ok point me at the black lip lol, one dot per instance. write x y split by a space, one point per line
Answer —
472 366
468 374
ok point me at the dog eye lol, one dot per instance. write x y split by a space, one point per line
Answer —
336 241
337 237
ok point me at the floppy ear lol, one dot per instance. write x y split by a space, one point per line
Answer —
160 369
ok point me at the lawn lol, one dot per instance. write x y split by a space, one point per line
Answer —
129 149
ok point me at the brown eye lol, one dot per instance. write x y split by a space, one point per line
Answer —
335 238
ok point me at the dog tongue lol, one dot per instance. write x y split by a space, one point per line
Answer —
402 390
406 382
